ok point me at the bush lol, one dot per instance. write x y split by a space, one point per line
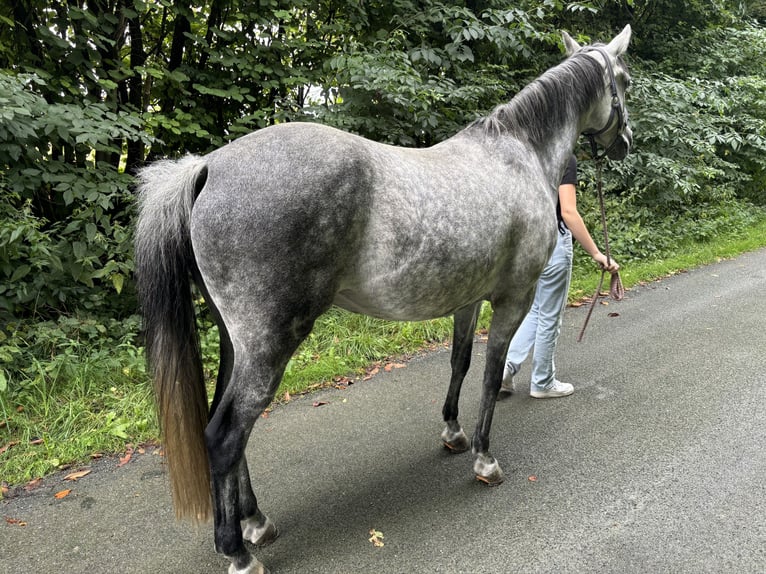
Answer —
65 214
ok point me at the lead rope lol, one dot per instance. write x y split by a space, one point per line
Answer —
616 290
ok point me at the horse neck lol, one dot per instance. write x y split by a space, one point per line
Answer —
549 114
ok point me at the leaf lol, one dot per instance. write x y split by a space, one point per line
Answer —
372 373
319 403
532 478
125 459
390 366
90 231
613 315
118 280
14 521
376 537
74 476
62 493
20 272
7 446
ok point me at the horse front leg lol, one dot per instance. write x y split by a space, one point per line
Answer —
453 436
506 319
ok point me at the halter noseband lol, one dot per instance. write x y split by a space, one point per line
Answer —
617 108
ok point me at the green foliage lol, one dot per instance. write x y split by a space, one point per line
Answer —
421 71
73 387
64 215
344 342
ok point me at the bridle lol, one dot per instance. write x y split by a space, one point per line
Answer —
616 289
617 109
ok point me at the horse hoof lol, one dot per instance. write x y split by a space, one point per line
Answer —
259 533
487 470
455 441
255 567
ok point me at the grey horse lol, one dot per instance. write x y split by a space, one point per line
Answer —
279 225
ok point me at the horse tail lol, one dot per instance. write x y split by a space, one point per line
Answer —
164 265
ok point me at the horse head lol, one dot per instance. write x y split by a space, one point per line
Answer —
607 121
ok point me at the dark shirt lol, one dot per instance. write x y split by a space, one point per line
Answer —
570 173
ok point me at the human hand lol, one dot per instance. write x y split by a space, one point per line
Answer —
600 259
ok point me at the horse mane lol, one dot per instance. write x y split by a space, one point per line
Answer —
562 92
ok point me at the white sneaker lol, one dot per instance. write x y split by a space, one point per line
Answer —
557 389
508 385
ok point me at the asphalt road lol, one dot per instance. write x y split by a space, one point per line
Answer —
657 463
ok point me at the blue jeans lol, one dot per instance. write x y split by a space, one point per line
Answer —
542 325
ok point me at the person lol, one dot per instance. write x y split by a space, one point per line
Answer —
541 327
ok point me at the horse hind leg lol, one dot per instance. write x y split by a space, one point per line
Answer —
256 527
506 319
255 375
452 436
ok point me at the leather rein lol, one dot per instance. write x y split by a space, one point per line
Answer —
616 289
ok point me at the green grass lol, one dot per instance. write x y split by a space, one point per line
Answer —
90 395
688 255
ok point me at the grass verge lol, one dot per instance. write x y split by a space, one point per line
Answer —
686 256
90 396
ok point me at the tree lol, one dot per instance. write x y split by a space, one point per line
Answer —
91 90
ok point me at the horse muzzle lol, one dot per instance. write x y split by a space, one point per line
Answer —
620 148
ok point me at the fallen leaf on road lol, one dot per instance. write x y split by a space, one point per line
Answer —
287 397
371 373
532 478
62 494
125 459
376 537
14 521
319 403
613 315
390 366
32 484
74 476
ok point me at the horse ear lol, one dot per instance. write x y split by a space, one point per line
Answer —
570 44
619 45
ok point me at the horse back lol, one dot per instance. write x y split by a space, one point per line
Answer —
392 232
